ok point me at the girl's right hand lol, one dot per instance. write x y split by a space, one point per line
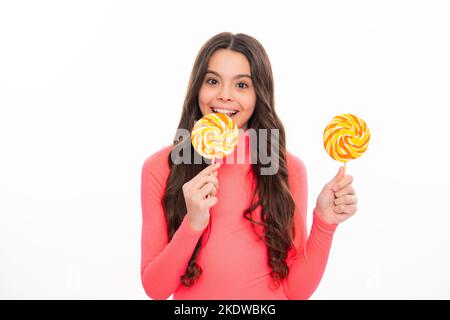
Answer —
196 193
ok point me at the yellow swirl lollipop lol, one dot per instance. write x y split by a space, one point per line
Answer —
214 136
346 137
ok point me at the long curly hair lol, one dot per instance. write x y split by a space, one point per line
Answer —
271 192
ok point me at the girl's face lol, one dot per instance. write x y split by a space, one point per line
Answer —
228 87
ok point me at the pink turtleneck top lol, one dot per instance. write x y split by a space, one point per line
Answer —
234 261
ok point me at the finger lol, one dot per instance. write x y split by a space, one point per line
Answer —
210 169
214 174
346 180
204 180
347 190
346 200
211 201
345 209
206 190
207 171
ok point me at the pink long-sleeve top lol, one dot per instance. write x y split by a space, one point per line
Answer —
234 261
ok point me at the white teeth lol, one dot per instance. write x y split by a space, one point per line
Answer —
228 112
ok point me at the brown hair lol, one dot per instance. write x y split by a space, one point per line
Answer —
272 192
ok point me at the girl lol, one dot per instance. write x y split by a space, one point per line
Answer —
226 231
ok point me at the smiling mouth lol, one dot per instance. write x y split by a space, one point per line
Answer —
230 113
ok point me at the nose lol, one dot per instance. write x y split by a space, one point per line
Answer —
225 94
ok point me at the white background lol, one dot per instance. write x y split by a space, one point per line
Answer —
90 89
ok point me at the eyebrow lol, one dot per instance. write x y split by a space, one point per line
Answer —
235 77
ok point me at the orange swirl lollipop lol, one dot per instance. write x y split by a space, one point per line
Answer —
214 136
346 137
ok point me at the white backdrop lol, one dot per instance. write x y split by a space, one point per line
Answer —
90 89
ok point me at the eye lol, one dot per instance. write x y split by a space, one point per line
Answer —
242 83
211 81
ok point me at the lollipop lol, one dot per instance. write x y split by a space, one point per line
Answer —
214 136
346 137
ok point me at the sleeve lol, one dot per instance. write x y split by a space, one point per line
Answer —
162 262
307 266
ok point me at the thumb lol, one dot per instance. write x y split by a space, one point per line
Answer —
337 177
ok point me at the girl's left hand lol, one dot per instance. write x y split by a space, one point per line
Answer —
337 200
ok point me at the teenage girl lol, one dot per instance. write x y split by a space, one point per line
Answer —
225 230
